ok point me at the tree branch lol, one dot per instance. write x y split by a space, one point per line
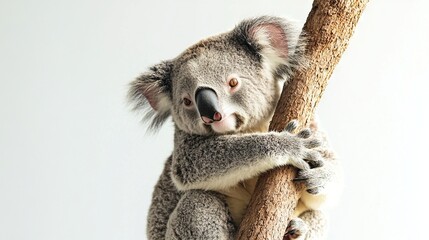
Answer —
328 28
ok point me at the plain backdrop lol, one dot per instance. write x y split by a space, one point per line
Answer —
75 163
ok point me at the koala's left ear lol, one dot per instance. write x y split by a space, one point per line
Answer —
274 39
151 92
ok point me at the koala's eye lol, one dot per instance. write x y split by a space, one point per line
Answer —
187 101
233 82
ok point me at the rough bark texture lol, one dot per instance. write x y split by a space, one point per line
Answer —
328 28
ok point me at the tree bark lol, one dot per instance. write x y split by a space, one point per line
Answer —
328 28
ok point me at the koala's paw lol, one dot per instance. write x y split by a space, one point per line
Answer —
302 147
296 230
315 179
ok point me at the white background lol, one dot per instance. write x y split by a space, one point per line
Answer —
75 163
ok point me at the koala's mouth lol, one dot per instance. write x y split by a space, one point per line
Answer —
228 124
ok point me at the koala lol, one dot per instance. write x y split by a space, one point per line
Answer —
221 94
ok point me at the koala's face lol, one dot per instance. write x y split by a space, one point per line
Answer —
243 94
225 84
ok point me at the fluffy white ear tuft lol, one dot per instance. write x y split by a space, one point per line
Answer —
151 92
273 42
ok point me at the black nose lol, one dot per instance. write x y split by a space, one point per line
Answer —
207 104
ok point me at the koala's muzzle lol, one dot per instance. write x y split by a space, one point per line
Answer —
207 104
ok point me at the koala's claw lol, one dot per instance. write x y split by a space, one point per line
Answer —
292 126
297 229
314 159
305 133
315 190
315 180
306 156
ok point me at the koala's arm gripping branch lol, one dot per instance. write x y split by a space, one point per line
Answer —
329 26
218 162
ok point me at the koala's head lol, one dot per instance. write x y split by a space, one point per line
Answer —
224 84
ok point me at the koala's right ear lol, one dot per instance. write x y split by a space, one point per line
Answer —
151 92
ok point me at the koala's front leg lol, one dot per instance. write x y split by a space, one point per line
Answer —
200 215
221 161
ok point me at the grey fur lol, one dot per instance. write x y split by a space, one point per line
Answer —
199 159
164 200
310 225
315 178
200 215
208 159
